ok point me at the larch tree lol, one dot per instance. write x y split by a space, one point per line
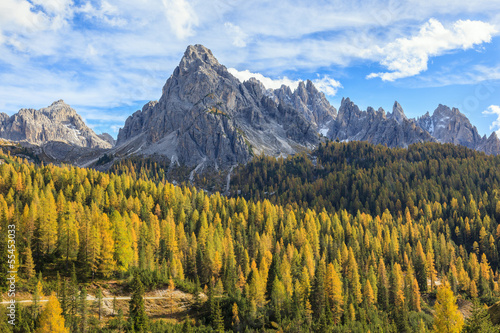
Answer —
51 319
447 318
333 289
107 263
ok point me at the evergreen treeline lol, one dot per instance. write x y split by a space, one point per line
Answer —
299 264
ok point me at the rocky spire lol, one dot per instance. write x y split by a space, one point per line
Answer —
397 113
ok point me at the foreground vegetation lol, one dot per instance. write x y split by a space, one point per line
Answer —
356 238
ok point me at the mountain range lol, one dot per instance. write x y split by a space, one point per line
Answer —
207 117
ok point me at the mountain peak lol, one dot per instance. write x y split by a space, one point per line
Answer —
198 53
55 123
58 102
397 113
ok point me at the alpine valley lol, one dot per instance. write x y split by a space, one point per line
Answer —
229 207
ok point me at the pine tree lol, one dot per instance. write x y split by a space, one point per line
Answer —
51 320
447 319
68 233
278 295
318 300
29 265
83 310
383 289
479 320
218 319
137 312
99 303
37 295
421 268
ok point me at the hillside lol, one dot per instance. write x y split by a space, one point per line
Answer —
292 265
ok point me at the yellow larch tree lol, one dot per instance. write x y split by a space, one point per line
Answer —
447 318
51 319
333 289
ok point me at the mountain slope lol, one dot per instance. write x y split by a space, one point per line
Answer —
56 123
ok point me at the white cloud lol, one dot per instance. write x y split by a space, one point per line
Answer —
238 36
409 56
48 54
106 13
181 17
54 7
17 16
326 84
266 81
494 110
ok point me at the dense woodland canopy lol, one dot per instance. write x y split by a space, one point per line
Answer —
354 238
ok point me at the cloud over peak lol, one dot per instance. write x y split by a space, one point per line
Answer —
325 84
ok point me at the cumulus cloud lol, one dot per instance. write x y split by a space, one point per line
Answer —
409 56
325 84
494 110
181 17
266 81
18 16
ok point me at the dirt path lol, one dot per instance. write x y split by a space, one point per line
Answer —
92 298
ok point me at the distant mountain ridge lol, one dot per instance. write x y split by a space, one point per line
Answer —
207 117
57 122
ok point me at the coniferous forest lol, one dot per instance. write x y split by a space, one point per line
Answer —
351 237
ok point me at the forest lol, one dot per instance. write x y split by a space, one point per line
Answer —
348 238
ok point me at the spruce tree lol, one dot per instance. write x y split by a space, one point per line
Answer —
137 312
479 320
83 310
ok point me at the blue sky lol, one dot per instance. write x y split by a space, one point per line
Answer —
107 58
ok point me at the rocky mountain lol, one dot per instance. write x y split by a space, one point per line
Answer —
108 138
309 101
397 130
56 123
207 116
393 129
451 126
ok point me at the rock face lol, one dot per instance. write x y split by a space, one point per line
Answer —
396 130
393 129
108 138
309 101
56 123
206 116
451 126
